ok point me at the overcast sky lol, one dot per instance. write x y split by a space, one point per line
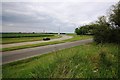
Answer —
49 16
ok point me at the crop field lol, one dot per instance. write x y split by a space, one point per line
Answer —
24 37
84 61
21 35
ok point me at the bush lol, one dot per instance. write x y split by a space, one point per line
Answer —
109 31
102 35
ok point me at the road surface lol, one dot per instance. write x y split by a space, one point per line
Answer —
35 42
11 56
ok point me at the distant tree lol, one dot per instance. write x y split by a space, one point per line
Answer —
82 30
92 27
77 31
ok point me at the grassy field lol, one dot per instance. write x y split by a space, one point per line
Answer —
20 35
75 38
24 37
84 61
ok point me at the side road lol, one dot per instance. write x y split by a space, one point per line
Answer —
35 42
11 56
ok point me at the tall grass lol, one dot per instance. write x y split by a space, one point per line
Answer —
85 61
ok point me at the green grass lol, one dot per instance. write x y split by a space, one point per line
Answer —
75 37
84 61
27 39
78 37
20 35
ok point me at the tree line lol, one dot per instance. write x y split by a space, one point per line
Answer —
105 29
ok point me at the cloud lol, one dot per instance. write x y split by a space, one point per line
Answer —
60 0
32 16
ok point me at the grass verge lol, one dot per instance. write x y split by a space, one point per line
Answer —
84 61
75 37
26 39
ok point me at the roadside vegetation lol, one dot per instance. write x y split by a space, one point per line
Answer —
99 59
84 61
75 38
106 29
24 37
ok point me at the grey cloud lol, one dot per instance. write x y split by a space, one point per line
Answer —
23 16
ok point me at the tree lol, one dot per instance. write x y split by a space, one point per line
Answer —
114 16
104 30
81 30
114 19
101 32
109 31
77 31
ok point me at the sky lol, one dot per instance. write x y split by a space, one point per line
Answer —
50 16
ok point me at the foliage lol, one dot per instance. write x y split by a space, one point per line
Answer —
77 31
83 30
109 31
114 16
104 30
85 61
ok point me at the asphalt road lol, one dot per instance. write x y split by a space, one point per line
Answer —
35 42
11 56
